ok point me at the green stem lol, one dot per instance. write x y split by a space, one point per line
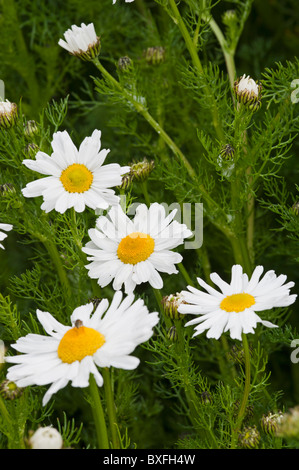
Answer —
197 64
111 408
145 193
98 414
143 111
185 274
246 391
189 43
54 254
228 54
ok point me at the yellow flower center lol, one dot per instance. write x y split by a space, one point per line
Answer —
76 178
237 302
135 247
78 343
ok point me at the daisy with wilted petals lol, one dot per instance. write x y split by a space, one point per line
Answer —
234 308
72 353
6 228
77 178
134 251
81 41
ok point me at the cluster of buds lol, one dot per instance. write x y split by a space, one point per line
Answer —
9 390
288 426
8 114
45 438
82 42
227 152
154 55
170 304
248 92
139 172
270 422
249 437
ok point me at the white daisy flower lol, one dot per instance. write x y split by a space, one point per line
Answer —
81 41
134 251
71 353
77 178
234 308
6 228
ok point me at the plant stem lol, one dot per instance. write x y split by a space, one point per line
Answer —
197 64
189 43
111 408
54 254
98 414
244 401
228 54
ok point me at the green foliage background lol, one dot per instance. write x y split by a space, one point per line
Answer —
62 92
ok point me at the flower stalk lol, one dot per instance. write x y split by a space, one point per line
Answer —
98 414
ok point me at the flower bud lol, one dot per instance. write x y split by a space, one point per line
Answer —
206 398
7 188
124 63
8 114
227 152
229 17
248 92
295 208
140 171
9 390
126 181
270 422
154 55
249 438
31 150
30 128
46 438
171 304
172 334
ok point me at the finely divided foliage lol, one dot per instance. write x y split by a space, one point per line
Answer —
116 331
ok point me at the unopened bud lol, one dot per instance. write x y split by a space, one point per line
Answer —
30 128
171 304
295 208
227 152
270 422
140 171
9 390
172 334
31 150
249 438
154 55
248 92
124 63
